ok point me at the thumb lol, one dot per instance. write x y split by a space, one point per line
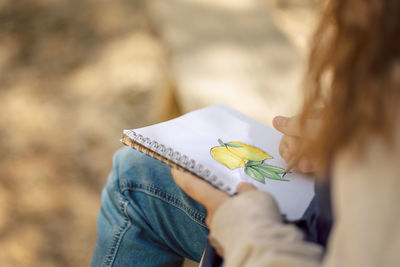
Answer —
287 126
244 187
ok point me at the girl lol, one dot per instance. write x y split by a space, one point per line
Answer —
347 133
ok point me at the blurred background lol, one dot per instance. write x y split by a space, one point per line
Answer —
74 73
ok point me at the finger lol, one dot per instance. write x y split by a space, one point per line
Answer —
292 147
287 125
285 149
198 189
305 165
283 146
186 181
245 187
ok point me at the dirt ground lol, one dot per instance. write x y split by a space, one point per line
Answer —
74 73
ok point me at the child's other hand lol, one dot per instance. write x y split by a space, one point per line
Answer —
291 139
210 197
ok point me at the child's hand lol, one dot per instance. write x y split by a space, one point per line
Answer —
290 142
205 193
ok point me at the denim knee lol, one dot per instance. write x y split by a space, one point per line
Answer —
138 172
135 167
145 217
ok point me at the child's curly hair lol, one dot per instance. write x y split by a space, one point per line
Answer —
353 76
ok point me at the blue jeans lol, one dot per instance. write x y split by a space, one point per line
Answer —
145 218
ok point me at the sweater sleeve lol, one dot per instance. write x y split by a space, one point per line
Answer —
250 230
366 231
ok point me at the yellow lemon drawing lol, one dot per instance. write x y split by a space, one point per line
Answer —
246 151
237 154
224 156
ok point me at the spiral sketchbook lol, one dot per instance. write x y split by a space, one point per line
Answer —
225 147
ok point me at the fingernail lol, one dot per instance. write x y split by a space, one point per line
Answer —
280 121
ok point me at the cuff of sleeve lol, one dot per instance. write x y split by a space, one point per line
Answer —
236 215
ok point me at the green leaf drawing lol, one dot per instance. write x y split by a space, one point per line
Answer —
227 144
253 173
252 163
265 171
275 169
221 143
232 145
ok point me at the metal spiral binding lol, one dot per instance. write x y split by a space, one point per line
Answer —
175 157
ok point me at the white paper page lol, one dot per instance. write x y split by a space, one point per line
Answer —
197 132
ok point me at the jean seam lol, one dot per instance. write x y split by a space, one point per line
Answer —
171 199
116 242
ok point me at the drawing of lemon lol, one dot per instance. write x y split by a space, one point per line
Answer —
236 154
246 151
224 156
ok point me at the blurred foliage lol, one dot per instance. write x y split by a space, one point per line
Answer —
74 73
